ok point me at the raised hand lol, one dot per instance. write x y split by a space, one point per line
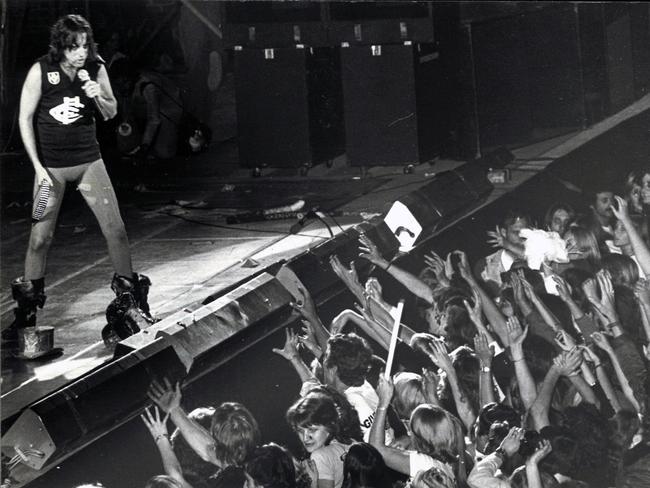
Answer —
430 381
385 390
435 263
308 338
305 306
562 287
290 349
620 210
601 341
511 442
348 276
475 311
568 362
495 238
438 354
463 265
543 449
157 427
564 340
516 335
166 396
529 291
483 349
606 304
370 251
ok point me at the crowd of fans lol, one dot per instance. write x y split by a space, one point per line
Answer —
515 377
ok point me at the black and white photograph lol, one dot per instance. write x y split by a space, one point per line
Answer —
324 244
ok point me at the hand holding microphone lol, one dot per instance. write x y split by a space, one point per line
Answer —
92 90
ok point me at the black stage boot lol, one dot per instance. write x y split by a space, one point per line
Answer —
29 294
129 312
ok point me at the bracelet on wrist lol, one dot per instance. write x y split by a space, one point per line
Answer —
160 436
388 266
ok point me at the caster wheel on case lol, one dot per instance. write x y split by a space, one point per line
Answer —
408 170
256 173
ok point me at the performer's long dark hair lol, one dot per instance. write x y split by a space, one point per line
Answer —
64 34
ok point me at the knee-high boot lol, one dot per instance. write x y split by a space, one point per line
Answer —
129 312
29 295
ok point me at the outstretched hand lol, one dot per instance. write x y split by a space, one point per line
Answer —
435 263
290 349
370 251
620 210
516 334
601 341
166 396
495 238
483 349
437 352
568 362
157 427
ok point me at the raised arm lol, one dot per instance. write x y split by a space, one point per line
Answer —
158 430
538 304
168 399
641 251
396 459
533 475
566 364
642 293
307 309
525 381
414 284
492 313
485 354
603 379
601 341
438 354
348 276
290 353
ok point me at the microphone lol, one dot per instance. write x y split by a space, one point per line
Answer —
84 77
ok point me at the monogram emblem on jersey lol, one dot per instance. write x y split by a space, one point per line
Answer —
68 111
53 77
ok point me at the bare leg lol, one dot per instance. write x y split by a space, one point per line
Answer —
96 188
42 232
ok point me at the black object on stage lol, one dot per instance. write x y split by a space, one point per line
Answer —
289 107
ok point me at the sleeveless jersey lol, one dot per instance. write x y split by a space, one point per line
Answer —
65 123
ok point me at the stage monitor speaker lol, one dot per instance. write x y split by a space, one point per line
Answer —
390 101
447 195
289 106
90 406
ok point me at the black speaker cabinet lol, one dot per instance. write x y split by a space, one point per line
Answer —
389 94
289 107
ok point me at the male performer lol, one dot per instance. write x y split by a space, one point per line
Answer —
61 93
